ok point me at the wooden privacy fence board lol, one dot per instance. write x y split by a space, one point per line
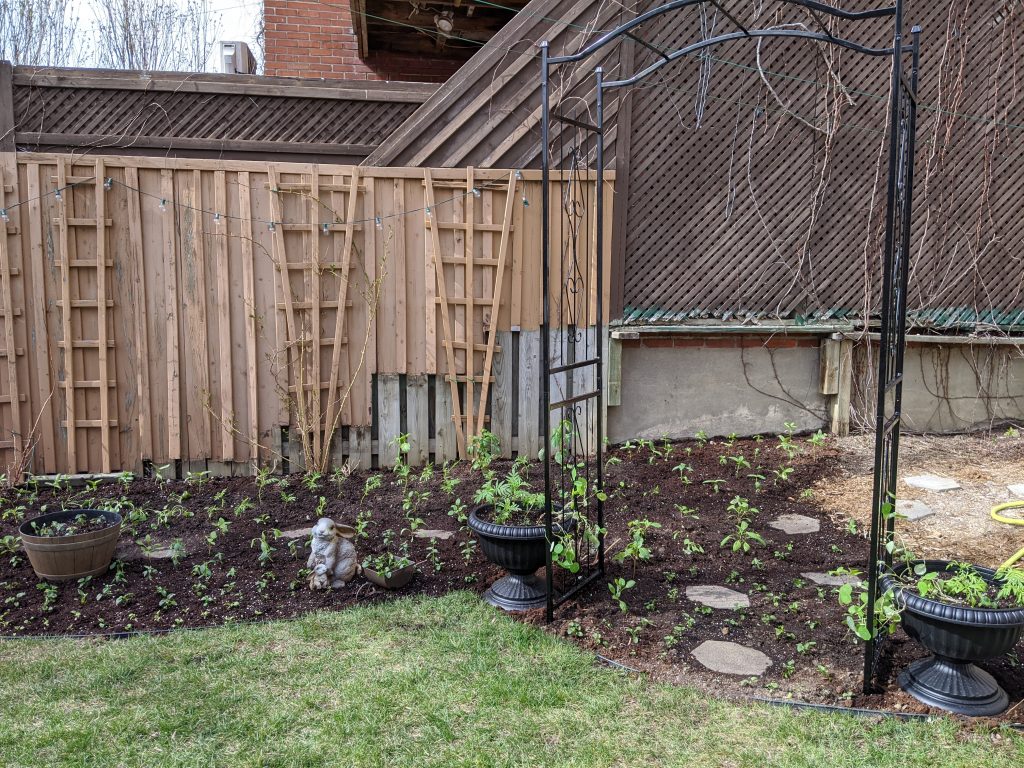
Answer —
204 313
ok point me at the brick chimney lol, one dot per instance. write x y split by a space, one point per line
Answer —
305 38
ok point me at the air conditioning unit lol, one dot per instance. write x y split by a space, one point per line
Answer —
236 58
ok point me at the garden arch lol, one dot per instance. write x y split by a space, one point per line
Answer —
573 136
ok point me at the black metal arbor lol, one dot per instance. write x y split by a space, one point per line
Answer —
574 281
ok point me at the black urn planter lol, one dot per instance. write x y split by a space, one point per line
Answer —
957 636
519 549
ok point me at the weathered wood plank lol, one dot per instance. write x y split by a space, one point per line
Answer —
529 393
417 410
389 418
501 398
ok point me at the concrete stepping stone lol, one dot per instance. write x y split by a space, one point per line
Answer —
796 524
718 597
1016 490
912 510
731 658
164 553
829 580
932 483
434 534
297 533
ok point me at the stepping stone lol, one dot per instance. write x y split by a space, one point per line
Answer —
828 580
912 509
297 533
718 597
796 524
434 534
163 553
1016 490
932 483
731 658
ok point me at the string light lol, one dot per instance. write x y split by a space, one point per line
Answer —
3 215
57 194
325 230
428 212
476 192
108 183
216 219
378 222
163 205
271 227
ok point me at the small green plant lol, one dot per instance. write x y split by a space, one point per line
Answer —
266 553
483 449
373 482
692 548
618 588
386 564
743 538
636 549
716 484
178 552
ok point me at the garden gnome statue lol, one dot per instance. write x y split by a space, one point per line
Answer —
333 559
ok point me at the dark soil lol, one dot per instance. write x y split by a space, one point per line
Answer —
77 525
798 624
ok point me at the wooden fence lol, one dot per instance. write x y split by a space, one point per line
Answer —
223 314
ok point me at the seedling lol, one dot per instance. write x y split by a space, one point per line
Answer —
716 485
743 538
617 588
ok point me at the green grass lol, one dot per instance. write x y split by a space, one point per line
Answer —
420 682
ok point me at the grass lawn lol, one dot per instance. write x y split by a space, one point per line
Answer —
419 682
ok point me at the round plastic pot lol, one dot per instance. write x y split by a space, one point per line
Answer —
63 558
957 637
520 550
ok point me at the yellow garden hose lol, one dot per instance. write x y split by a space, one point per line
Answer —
1010 521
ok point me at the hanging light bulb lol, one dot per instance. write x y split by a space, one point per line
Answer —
519 175
216 219
108 183
378 222
270 226
476 192
325 230
57 194
163 205
428 212
525 201
3 215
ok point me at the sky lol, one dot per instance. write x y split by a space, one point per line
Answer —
237 20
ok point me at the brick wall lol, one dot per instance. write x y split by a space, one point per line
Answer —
305 38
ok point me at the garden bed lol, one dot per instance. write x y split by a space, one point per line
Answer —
216 553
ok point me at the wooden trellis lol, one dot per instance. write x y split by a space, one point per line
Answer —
10 352
468 337
87 339
332 210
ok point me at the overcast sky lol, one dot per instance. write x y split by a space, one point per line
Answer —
237 18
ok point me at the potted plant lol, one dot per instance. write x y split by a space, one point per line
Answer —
71 544
508 520
388 570
962 614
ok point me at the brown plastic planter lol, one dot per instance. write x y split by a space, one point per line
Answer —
63 558
396 580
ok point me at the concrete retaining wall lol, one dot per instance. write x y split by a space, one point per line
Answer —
674 385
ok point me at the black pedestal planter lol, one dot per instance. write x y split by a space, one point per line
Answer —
957 637
520 550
